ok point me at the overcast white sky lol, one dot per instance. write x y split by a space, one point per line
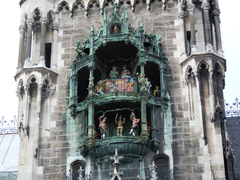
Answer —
9 35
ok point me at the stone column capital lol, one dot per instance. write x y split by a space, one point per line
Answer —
55 26
205 6
216 12
182 15
22 28
43 20
191 8
30 22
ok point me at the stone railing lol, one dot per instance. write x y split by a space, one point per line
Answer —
8 127
232 110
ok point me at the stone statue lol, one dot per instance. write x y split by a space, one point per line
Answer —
158 44
78 49
114 73
148 85
99 88
134 123
120 123
103 126
129 82
113 87
157 92
125 72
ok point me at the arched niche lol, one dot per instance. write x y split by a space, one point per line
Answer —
116 54
162 163
75 166
113 110
153 74
218 81
83 81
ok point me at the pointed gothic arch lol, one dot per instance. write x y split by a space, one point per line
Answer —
63 5
77 4
37 14
50 16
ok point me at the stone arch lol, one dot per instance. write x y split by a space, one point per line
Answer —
36 14
202 65
20 89
77 4
50 16
188 72
63 5
162 162
75 165
31 79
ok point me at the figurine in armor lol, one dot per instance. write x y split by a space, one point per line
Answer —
157 92
113 87
125 72
135 122
114 73
129 82
120 123
103 126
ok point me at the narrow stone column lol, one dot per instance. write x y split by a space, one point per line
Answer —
37 123
205 7
144 114
162 80
29 42
181 17
41 61
191 10
55 28
216 13
90 119
22 29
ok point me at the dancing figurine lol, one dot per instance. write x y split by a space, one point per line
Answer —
120 123
134 123
113 87
129 82
103 126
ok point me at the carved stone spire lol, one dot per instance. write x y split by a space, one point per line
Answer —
153 173
116 164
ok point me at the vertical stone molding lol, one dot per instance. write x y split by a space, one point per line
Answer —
42 43
191 10
216 13
22 29
181 17
207 28
55 28
30 22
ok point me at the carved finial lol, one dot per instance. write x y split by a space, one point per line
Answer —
141 27
92 32
153 173
115 5
126 12
104 14
116 164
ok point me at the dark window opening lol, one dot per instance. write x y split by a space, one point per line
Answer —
162 163
83 81
48 48
153 75
188 43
